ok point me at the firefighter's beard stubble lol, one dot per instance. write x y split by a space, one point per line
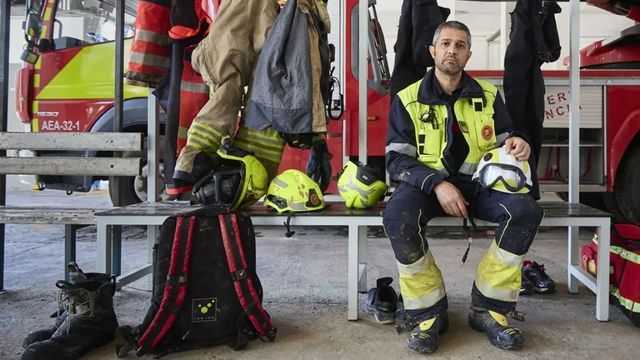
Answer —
451 67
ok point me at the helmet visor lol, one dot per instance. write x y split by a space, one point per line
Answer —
512 177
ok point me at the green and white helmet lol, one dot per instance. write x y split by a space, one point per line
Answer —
500 171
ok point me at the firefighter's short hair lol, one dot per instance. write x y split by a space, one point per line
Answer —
454 25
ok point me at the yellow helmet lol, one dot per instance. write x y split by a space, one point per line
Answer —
237 183
359 186
294 191
503 172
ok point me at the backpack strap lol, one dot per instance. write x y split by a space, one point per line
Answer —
242 282
175 287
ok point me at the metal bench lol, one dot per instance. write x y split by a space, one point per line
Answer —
357 221
77 163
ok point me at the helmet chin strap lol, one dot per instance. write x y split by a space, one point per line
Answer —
286 224
467 230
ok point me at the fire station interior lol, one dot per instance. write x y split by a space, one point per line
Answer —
303 273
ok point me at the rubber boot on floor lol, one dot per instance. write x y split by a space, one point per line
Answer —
89 320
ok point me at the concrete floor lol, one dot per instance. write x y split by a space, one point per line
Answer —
305 283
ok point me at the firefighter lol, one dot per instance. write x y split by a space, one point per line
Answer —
226 59
439 129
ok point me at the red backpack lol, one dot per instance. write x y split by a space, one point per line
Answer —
624 277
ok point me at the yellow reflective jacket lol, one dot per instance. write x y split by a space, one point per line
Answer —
420 129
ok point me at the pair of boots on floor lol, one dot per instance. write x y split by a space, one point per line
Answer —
85 319
423 338
382 302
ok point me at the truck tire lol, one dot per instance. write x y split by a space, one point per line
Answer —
135 187
627 188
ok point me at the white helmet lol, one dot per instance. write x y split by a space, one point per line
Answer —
503 172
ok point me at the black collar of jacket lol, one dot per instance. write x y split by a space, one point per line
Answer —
469 89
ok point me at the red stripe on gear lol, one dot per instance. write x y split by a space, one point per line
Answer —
179 190
190 102
252 289
231 262
147 47
182 287
145 69
167 288
232 267
153 17
165 329
187 249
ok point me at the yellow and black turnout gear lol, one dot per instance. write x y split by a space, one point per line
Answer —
226 60
433 136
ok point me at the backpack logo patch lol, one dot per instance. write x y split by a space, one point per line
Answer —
204 309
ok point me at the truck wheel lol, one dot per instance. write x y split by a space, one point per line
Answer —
135 187
627 191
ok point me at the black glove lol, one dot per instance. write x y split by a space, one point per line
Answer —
319 164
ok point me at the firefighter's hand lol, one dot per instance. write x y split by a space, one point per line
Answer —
451 199
518 147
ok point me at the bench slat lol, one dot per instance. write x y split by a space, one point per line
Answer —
106 166
551 210
109 141
46 215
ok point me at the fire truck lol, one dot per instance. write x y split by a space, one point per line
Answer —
66 83
610 126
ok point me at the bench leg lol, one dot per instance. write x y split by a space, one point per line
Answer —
103 251
362 259
116 250
573 257
352 270
602 277
69 246
153 232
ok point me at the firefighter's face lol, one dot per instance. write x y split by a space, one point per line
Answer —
451 51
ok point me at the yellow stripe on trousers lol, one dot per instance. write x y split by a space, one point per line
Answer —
203 137
267 145
499 274
421 283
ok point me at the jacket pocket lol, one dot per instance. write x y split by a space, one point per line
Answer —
430 145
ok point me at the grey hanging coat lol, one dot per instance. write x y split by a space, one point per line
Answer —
286 91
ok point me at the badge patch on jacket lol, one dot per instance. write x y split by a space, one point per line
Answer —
487 132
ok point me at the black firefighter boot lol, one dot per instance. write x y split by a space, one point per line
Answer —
88 321
497 328
424 337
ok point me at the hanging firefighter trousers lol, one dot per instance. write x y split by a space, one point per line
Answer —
498 276
226 59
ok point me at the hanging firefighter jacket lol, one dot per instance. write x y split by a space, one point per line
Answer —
533 40
290 85
418 22
186 24
150 50
157 23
